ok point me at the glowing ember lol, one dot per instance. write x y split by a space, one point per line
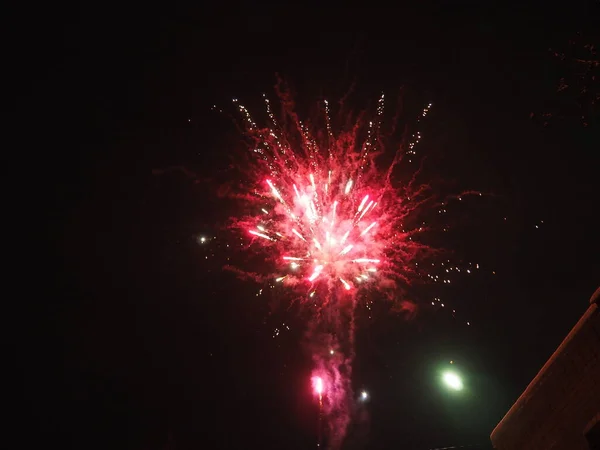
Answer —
318 385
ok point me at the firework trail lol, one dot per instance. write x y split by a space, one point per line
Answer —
318 388
331 224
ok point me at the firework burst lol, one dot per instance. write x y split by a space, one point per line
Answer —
332 222
328 217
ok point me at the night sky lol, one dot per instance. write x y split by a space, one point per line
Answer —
142 341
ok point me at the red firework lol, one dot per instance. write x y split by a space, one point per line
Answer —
333 222
328 216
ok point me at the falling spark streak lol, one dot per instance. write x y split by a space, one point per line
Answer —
346 249
368 228
364 200
366 209
348 187
345 236
275 191
264 236
346 285
316 273
298 234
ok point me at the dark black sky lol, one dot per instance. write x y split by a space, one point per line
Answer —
140 340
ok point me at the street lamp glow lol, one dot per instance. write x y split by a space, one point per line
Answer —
453 381
364 396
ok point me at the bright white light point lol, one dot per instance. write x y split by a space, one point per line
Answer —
294 265
453 381
279 279
331 352
348 187
260 228
319 385
265 211
202 239
364 395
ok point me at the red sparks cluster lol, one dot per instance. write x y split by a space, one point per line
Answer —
324 212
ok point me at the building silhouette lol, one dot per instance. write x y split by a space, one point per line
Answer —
560 409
